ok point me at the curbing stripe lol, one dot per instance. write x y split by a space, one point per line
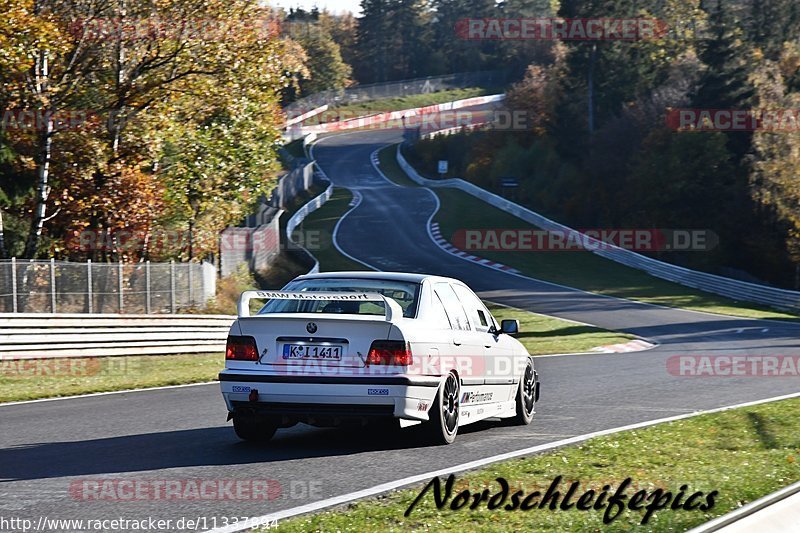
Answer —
436 236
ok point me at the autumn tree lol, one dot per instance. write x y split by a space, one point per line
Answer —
44 69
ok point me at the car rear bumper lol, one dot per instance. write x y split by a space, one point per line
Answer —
330 397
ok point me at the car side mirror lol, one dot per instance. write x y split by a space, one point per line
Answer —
510 327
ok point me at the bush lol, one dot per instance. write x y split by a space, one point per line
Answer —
228 291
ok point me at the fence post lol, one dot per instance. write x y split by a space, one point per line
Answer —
147 287
13 284
119 279
203 288
53 285
172 286
191 295
89 285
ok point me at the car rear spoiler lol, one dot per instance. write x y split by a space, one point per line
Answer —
393 309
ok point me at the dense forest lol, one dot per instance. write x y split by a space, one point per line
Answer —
176 129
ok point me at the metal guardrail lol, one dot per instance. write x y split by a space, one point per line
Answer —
41 336
458 129
301 214
730 288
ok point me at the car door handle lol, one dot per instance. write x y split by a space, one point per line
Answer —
487 345
456 342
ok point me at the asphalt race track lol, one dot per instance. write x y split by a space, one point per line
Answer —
181 433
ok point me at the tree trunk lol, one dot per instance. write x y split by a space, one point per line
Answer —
42 191
42 74
3 249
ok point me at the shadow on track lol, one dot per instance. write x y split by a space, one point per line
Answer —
197 447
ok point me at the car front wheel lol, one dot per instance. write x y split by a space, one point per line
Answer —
442 427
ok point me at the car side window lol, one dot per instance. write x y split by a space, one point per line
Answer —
452 305
477 312
439 314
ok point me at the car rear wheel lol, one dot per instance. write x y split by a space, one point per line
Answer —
527 396
254 428
442 427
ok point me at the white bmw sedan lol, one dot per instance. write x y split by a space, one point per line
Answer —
355 347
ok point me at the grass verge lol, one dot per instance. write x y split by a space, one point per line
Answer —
318 229
744 454
582 270
50 378
543 335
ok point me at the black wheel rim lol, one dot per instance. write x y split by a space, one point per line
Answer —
528 390
450 404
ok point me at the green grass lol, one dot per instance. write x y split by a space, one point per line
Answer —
387 161
354 110
50 378
744 454
319 227
582 270
544 335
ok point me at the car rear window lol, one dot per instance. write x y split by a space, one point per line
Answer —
406 294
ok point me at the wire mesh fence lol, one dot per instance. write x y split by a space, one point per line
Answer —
375 91
140 288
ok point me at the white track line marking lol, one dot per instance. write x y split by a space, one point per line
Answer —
357 198
393 485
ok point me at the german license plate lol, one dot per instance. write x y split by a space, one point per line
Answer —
312 351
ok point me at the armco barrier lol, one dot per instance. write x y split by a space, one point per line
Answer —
457 129
380 118
306 116
737 290
41 336
301 214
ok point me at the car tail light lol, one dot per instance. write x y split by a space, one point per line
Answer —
390 353
241 349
